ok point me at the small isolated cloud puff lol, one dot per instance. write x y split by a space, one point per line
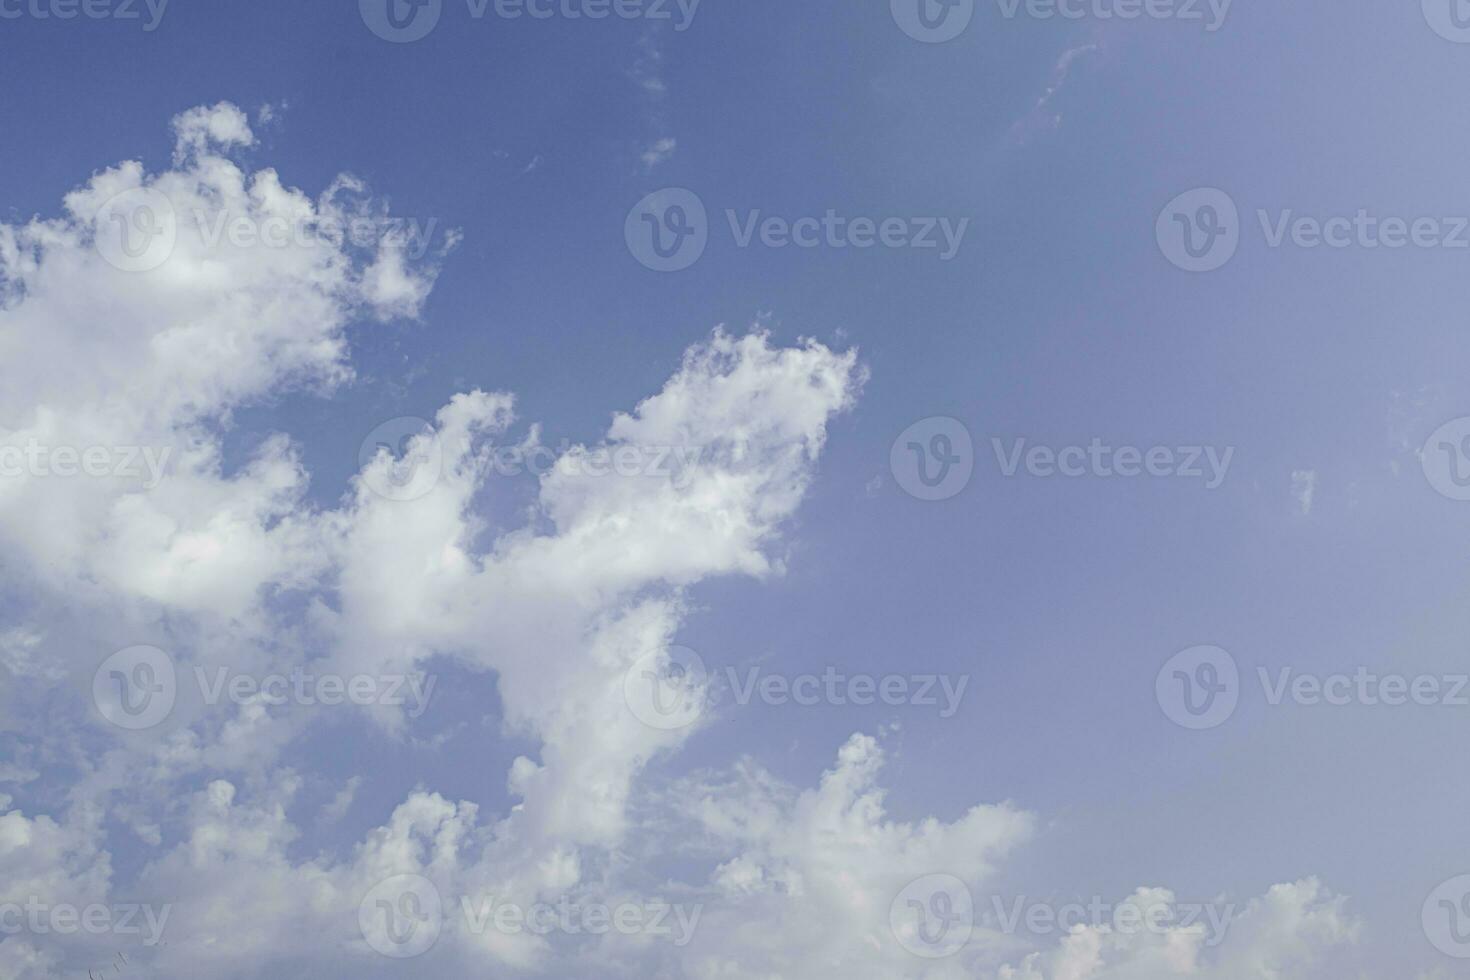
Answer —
1304 489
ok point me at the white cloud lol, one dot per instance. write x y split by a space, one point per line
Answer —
1280 935
158 360
1304 489
223 125
658 152
558 610
335 810
648 75
1042 117
809 877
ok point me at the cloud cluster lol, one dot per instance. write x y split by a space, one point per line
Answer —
1279 935
224 562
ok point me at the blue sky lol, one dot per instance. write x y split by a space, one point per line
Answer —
1059 320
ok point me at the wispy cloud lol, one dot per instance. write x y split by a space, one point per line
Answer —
334 811
1044 117
648 72
1304 489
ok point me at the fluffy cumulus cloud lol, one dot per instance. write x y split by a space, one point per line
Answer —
1282 934
810 888
152 310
